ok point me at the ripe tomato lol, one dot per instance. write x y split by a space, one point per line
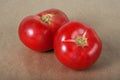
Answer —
37 31
77 46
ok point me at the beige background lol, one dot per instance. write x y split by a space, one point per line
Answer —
17 62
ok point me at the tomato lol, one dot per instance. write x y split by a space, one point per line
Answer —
77 45
37 31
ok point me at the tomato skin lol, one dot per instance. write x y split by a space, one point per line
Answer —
73 55
37 34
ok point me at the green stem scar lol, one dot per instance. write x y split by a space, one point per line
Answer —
46 18
81 40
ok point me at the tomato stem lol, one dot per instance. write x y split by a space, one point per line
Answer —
46 18
81 40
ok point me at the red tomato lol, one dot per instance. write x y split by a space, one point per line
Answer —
37 31
77 46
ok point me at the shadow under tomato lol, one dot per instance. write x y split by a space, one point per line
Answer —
49 51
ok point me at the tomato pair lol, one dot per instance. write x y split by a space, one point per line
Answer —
76 45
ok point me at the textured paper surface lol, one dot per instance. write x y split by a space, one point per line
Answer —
17 62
